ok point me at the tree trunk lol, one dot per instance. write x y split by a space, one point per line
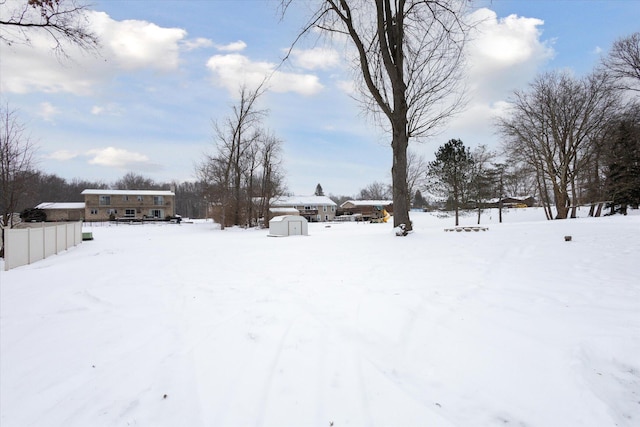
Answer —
562 201
399 145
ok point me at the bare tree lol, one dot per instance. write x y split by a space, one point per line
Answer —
553 127
408 56
271 173
245 164
483 184
17 166
64 21
134 181
416 172
375 191
623 62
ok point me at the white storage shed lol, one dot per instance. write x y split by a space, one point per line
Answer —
288 225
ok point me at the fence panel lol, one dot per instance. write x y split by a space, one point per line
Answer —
50 241
61 238
36 244
24 246
16 248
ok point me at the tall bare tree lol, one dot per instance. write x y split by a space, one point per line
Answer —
17 165
271 173
63 21
623 61
245 164
553 127
408 60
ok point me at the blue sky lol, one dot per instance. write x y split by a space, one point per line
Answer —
167 69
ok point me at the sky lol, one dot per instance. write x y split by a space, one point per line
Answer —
167 70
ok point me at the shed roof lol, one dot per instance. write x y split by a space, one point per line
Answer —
284 218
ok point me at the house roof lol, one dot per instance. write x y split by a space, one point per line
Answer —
303 200
284 210
55 205
129 192
368 202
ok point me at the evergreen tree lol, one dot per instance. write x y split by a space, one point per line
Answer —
623 156
319 190
419 201
450 173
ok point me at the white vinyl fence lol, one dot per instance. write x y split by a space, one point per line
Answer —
27 245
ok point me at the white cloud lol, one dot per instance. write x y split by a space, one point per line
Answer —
317 58
116 157
505 52
347 86
47 111
125 45
63 155
198 43
233 70
138 44
232 47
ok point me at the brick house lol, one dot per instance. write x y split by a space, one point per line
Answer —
102 205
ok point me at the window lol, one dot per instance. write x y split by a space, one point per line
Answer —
105 200
158 200
324 208
140 198
326 217
129 213
125 198
112 211
94 211
155 213
333 208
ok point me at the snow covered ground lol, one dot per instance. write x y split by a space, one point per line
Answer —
187 325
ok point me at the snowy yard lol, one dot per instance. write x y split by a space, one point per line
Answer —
186 325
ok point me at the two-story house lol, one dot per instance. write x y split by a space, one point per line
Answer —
313 208
102 205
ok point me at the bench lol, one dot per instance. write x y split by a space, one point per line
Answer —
467 228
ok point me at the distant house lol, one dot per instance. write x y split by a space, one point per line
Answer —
365 210
102 205
512 202
73 211
313 208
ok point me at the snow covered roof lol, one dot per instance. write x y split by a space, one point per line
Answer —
283 218
67 205
368 202
303 200
130 192
284 210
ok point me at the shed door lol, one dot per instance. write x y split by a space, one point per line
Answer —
295 228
